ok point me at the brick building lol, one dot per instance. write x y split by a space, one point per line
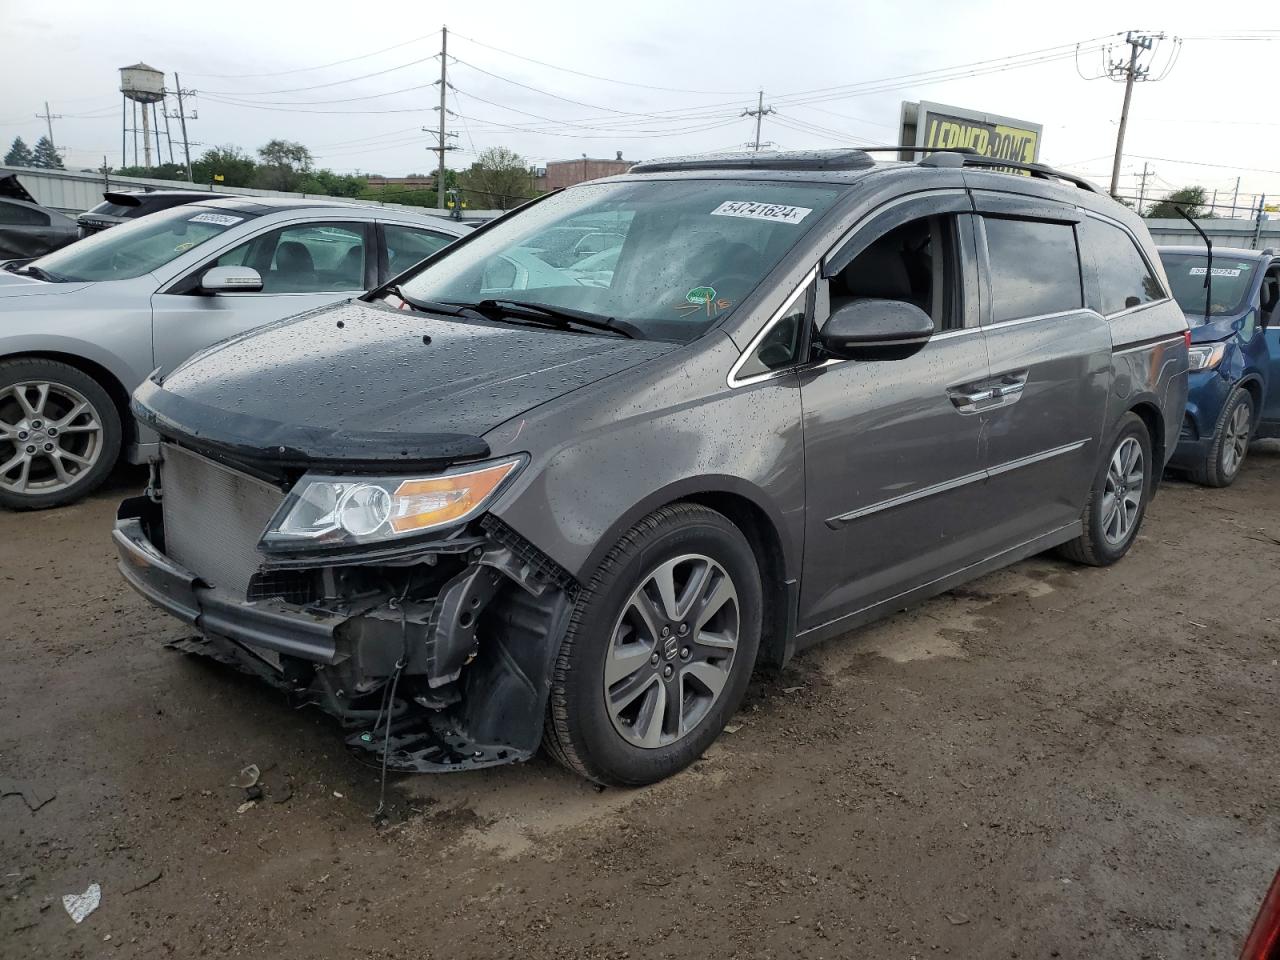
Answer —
565 173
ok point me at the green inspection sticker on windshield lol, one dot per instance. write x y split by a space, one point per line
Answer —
701 295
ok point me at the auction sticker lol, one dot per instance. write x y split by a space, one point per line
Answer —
221 219
754 210
1217 271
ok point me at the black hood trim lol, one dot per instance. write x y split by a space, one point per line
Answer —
257 439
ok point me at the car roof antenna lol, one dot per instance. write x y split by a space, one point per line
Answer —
1208 270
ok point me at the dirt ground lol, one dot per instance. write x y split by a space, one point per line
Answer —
1051 762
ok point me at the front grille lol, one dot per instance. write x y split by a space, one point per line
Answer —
214 518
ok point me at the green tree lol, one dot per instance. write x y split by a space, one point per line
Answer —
1190 199
19 154
330 184
45 156
499 179
164 171
284 163
236 167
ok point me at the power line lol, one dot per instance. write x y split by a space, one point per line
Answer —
321 86
323 66
593 76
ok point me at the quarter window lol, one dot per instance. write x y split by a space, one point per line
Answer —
1124 278
781 346
1035 268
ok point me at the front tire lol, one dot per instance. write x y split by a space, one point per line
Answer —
59 434
1118 500
659 649
1230 443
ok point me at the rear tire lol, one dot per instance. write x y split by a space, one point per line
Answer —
647 677
60 434
1118 499
1230 443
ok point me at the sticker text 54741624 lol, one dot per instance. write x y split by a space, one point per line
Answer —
754 210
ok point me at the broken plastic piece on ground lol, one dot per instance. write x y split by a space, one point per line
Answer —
80 905
248 777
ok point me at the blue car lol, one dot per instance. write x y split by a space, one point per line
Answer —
1234 389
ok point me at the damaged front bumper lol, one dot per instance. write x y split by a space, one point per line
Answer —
465 637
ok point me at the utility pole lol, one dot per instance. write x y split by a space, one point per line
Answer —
444 87
1234 197
181 117
1133 72
758 113
1142 191
48 119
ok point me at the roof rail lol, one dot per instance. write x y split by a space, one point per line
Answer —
838 159
970 159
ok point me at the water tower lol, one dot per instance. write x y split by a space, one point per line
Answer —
141 84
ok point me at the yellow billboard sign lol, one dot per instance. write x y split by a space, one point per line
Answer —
939 127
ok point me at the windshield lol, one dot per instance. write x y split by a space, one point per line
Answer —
1232 281
668 257
139 246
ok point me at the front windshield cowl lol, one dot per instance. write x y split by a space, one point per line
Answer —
660 259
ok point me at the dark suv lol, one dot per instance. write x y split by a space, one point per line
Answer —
497 502
121 206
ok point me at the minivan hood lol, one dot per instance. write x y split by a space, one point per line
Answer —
359 383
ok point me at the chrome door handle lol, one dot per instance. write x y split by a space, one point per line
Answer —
960 398
1007 390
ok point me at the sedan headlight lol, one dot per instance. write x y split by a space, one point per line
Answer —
1206 356
345 510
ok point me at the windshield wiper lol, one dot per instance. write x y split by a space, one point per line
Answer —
31 270
434 306
561 318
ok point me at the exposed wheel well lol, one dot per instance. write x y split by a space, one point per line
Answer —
767 547
115 389
1254 386
1154 421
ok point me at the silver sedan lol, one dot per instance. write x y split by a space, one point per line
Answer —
81 327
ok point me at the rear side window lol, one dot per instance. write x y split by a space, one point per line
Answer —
18 215
1124 279
1035 268
407 246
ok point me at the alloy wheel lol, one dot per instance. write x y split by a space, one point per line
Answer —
671 651
1122 494
1236 443
50 437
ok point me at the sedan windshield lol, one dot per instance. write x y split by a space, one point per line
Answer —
1232 281
668 258
137 247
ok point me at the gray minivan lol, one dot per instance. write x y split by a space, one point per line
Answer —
501 501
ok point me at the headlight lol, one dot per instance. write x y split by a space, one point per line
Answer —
1206 357
343 510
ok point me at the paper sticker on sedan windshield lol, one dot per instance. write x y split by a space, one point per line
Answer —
1217 272
754 210
221 219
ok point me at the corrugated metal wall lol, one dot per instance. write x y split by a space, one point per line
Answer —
73 192
1227 233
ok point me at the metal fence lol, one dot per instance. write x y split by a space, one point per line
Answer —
73 192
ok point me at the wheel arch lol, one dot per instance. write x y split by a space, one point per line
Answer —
751 511
1252 382
107 378
1149 413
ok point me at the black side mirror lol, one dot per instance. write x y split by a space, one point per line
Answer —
876 330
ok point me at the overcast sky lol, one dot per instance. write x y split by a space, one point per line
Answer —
249 63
